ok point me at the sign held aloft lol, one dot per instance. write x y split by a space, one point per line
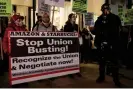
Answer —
57 3
89 19
5 8
43 8
79 6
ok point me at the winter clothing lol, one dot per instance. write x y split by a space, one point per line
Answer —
86 46
107 29
11 27
69 27
42 27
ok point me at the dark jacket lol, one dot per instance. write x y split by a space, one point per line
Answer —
109 31
87 38
70 28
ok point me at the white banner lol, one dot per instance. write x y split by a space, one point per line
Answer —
43 55
43 8
57 3
43 66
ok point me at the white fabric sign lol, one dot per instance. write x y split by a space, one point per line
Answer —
43 8
58 3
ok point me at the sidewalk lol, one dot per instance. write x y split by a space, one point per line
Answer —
89 72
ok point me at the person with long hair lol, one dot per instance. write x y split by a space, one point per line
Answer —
71 26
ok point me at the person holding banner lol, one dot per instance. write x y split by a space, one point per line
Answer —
71 26
45 25
14 25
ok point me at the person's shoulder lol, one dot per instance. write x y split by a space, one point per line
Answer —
10 28
114 15
36 27
99 17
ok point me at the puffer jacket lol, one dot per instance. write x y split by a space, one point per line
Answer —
11 27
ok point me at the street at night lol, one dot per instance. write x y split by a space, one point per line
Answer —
89 73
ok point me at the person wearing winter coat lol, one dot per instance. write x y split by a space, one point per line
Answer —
45 25
107 30
14 25
86 46
39 20
71 25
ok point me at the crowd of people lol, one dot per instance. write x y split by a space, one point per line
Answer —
107 31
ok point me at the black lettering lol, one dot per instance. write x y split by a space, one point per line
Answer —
22 67
2 7
25 60
28 66
13 68
65 62
2 3
43 34
14 60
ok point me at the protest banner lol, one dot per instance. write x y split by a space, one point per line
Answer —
79 6
43 8
41 55
57 3
128 19
5 8
89 21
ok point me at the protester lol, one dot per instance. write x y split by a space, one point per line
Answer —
71 26
22 23
45 25
86 46
14 25
39 20
106 29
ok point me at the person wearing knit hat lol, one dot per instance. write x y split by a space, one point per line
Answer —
14 25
